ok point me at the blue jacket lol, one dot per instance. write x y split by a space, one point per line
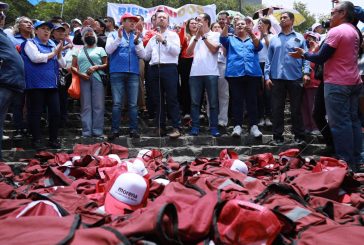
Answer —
40 75
124 58
241 57
11 65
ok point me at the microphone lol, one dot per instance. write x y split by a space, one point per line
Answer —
158 29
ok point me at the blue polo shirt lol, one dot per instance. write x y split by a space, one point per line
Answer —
279 65
241 57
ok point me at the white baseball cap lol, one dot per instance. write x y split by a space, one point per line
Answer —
129 191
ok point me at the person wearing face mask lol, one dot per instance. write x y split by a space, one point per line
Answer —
42 59
89 63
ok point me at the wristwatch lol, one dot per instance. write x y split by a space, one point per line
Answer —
203 37
164 42
195 39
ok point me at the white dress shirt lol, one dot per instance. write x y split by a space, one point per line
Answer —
159 53
37 57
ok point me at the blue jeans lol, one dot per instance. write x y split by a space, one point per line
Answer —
121 81
92 107
6 96
198 84
164 81
342 103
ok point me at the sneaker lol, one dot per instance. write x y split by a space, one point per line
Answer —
299 141
5 137
268 122
261 122
54 144
315 132
276 142
134 134
237 131
175 134
113 136
194 131
187 117
18 134
254 131
215 132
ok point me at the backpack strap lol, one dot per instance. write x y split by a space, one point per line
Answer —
75 225
171 211
120 236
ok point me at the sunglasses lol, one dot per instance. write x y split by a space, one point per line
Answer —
2 15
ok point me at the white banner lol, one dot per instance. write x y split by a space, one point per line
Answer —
176 16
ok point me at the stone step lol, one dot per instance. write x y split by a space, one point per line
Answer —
181 153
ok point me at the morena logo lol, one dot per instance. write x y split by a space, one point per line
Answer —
128 193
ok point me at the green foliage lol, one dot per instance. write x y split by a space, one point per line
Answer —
310 18
17 8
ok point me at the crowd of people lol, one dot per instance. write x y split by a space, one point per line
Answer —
236 67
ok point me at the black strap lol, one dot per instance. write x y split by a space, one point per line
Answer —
195 187
282 189
121 237
217 210
76 223
89 59
171 211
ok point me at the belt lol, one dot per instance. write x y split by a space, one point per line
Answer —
163 65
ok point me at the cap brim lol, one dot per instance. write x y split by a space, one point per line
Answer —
50 25
113 206
4 6
136 19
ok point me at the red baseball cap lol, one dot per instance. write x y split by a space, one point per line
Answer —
129 191
129 16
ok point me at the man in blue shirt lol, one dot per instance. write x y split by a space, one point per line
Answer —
11 72
284 74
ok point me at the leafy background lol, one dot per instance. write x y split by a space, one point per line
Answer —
97 8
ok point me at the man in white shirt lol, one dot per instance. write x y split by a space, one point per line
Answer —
162 50
204 73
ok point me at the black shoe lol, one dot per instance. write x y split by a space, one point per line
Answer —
277 142
38 146
222 129
54 144
113 136
134 134
18 134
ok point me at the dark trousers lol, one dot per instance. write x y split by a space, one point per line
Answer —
184 95
6 96
164 81
319 115
149 90
37 100
18 104
279 92
264 99
243 89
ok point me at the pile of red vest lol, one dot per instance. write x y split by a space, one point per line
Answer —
60 199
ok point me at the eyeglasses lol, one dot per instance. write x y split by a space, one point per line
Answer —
106 20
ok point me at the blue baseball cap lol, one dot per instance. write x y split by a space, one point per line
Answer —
3 6
41 23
